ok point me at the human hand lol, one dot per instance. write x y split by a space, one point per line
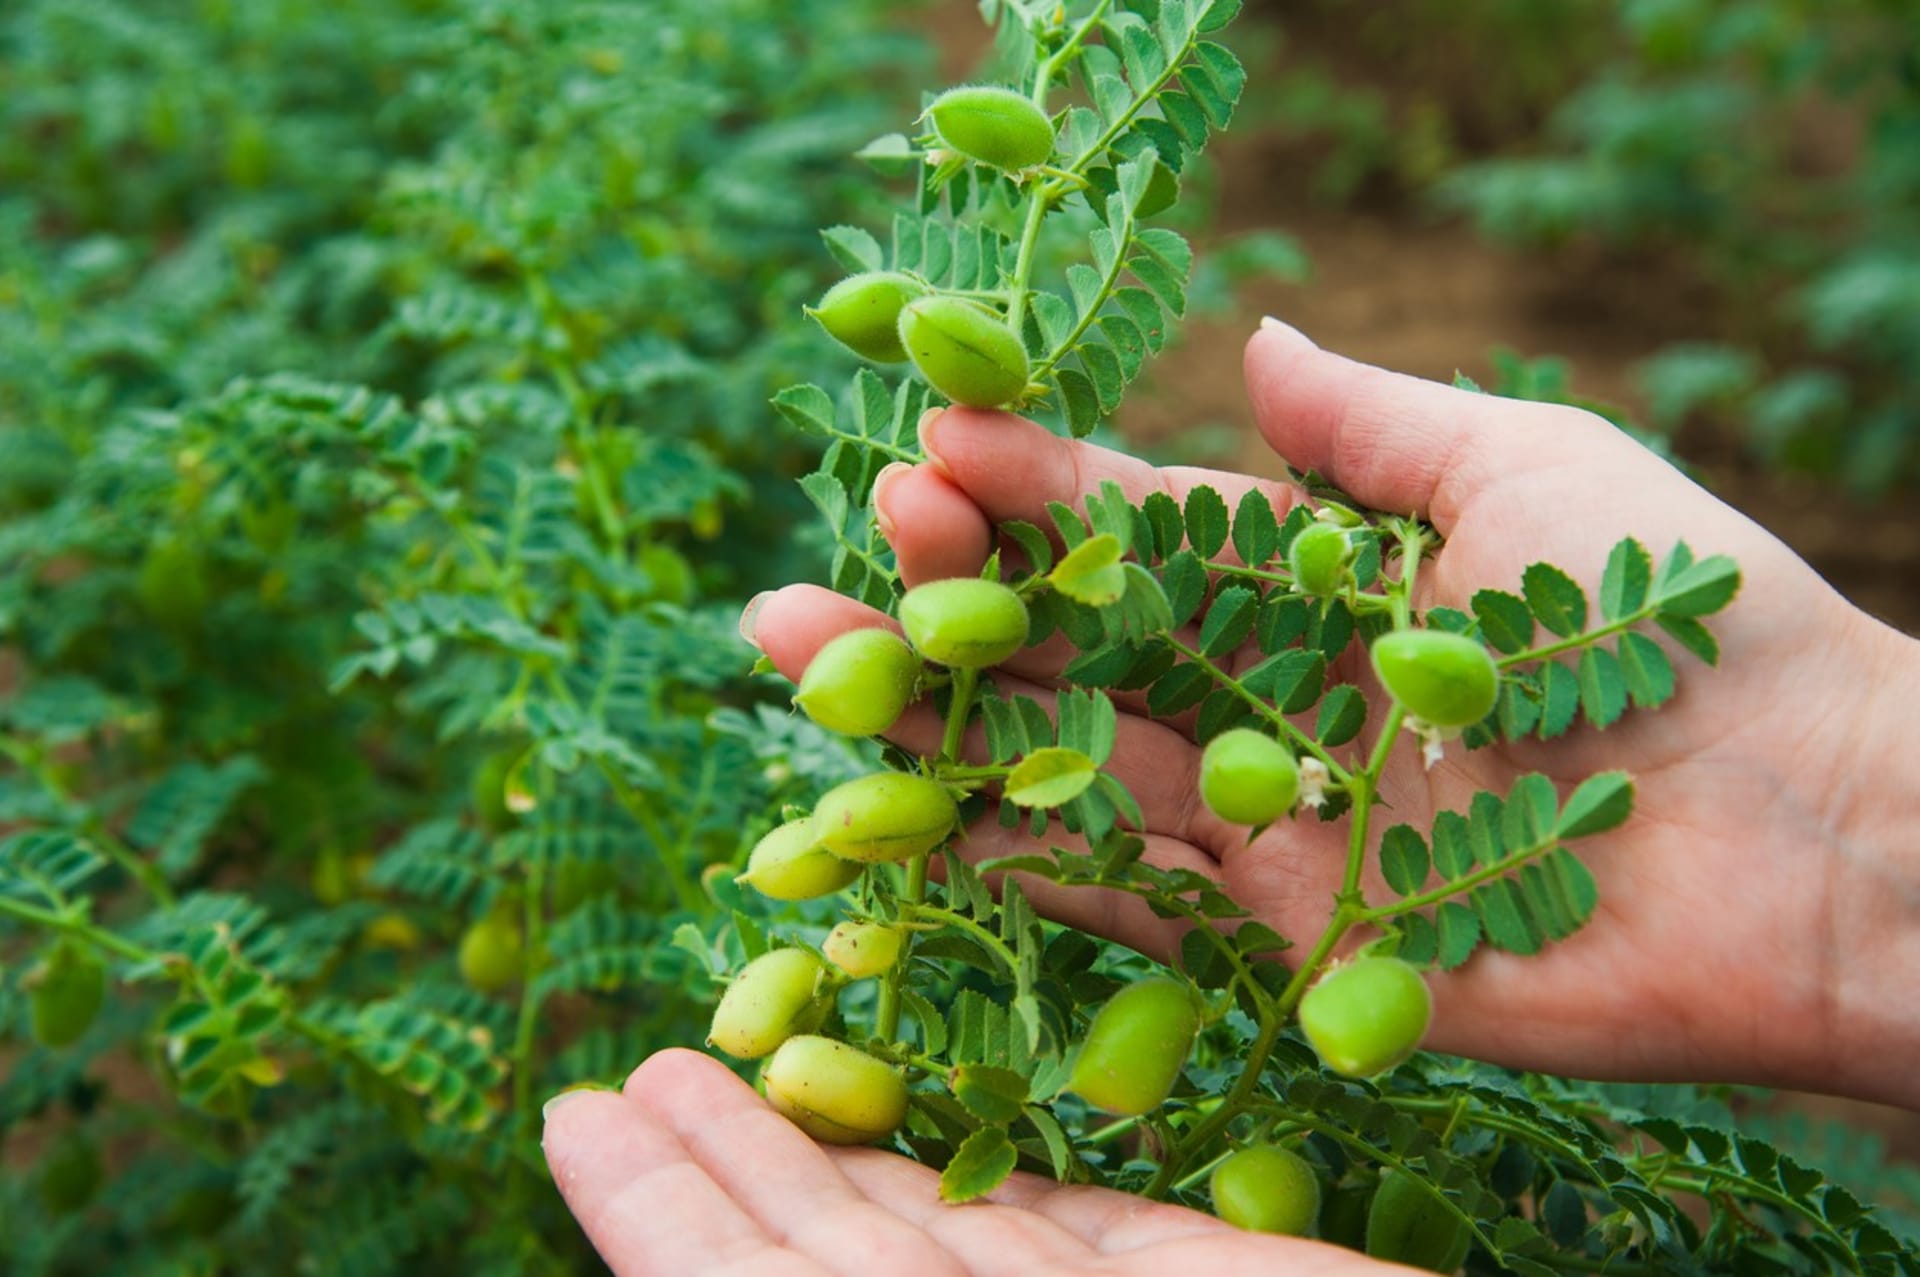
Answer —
1760 908
688 1172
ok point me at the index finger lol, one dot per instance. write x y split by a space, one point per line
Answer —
1012 468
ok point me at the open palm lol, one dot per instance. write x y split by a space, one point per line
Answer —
688 1172
1718 948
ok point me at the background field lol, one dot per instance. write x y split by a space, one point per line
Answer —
384 455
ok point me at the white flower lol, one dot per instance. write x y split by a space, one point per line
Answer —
1314 778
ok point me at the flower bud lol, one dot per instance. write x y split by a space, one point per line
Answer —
1319 557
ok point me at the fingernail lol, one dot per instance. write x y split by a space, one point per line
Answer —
1269 324
748 613
930 440
546 1110
880 482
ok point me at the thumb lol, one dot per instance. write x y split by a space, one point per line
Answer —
1401 443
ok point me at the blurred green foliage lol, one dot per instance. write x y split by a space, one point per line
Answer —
383 451
1766 149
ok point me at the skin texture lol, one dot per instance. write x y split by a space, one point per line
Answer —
1760 913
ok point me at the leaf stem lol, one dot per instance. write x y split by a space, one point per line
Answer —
959 706
1584 639
1459 886
1301 739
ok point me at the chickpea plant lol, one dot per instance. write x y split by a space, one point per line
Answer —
1262 1074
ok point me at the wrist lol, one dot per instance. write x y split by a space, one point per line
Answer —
1872 937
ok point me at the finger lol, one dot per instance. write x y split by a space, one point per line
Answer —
991 1238
935 529
1110 1221
772 1170
643 1199
1012 467
1396 442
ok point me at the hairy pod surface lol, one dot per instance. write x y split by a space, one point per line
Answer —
834 1092
863 949
791 863
492 953
1319 558
66 993
993 126
1407 1226
859 683
1136 1047
965 622
1448 680
1365 1016
1248 778
888 816
862 313
1267 1189
774 997
965 351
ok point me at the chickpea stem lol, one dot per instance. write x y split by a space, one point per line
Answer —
1301 740
913 897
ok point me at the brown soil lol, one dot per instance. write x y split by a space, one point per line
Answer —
1396 287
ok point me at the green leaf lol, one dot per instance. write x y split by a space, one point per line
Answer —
1256 533
1206 521
1091 572
1229 620
1049 777
853 248
1168 524
1185 581
1032 542
1603 689
1459 932
1505 620
1700 589
1601 803
1503 916
1645 667
1555 600
1342 714
1531 809
1623 586
981 1164
1403 859
1179 690
1559 699
1292 679
1692 635
990 1093
1452 845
